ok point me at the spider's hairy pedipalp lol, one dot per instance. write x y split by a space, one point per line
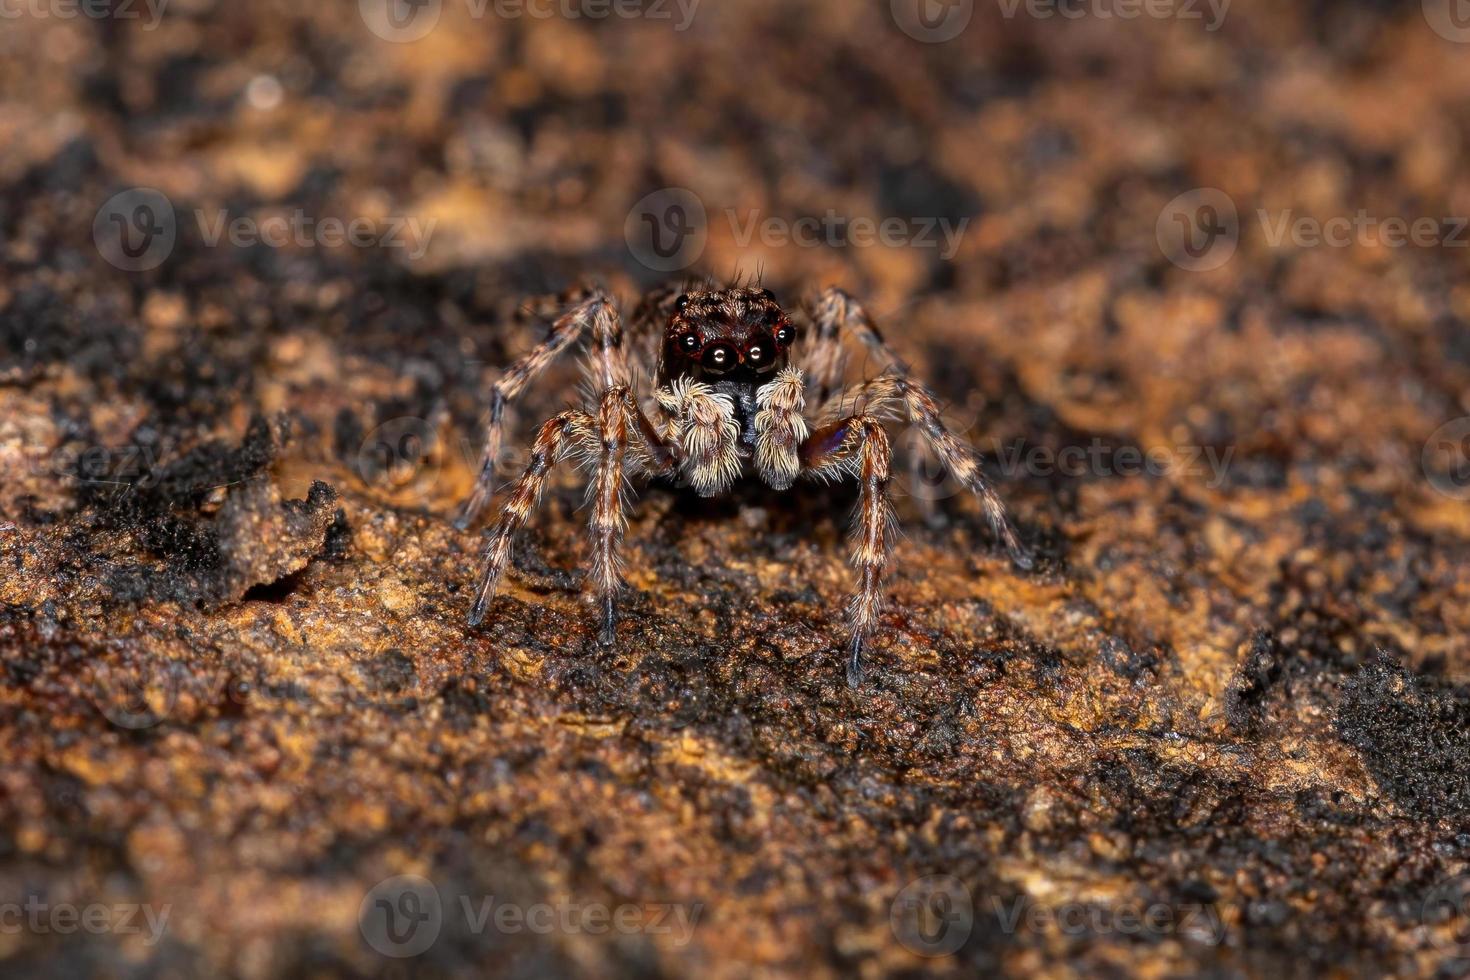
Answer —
780 429
704 426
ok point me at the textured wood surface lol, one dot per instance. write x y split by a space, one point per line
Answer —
1221 727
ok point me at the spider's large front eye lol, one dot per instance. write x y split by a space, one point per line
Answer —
689 343
720 357
761 352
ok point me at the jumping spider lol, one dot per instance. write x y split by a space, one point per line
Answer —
727 403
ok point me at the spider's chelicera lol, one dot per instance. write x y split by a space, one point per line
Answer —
727 402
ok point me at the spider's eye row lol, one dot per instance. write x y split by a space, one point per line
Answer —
689 342
720 357
761 352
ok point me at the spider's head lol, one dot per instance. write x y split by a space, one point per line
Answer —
739 334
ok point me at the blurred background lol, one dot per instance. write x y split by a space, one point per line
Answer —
1190 272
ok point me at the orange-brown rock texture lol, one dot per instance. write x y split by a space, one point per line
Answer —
1222 727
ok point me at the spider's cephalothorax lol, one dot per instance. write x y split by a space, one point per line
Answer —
734 340
727 402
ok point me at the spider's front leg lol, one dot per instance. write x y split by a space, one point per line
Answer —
894 392
622 426
618 426
552 442
858 446
596 314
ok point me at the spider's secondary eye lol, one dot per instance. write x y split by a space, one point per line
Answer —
785 335
689 343
720 357
761 352
681 302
